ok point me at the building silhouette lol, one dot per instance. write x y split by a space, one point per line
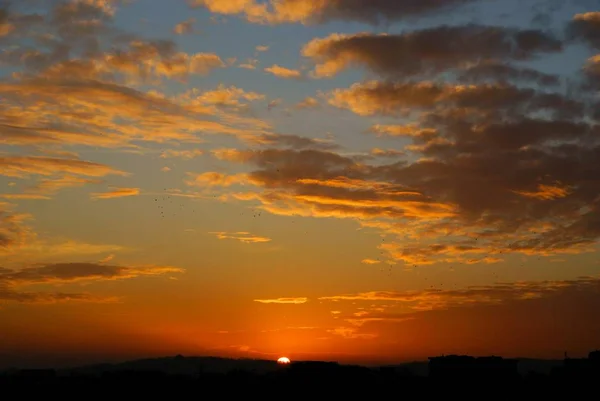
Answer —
458 367
580 368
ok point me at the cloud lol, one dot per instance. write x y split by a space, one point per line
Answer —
436 299
242 236
10 295
370 261
12 280
116 193
292 141
74 272
586 27
308 103
296 182
592 71
294 301
100 83
210 179
426 52
283 72
13 229
229 96
546 192
412 99
249 64
262 48
494 71
514 325
53 185
351 333
47 187
20 244
182 154
185 27
22 166
485 179
274 103
321 11
387 152
25 197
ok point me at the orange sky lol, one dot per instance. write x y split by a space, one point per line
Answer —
357 181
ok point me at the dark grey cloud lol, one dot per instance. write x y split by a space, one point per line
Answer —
13 281
428 51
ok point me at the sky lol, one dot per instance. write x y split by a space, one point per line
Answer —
348 180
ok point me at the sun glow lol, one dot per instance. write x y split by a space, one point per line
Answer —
283 361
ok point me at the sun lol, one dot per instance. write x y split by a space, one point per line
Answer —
284 361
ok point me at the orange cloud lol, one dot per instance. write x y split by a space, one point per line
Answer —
472 296
351 333
586 26
183 154
249 64
25 196
387 152
228 96
293 301
217 179
100 101
116 193
403 131
546 192
283 72
320 11
185 27
22 166
13 230
308 103
242 236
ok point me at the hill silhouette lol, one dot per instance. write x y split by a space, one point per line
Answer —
192 365
490 378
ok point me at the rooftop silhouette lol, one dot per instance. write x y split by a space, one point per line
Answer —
448 375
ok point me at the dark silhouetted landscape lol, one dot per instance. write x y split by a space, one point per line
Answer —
467 377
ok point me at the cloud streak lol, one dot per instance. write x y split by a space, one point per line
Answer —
284 301
13 280
472 296
322 11
241 236
116 193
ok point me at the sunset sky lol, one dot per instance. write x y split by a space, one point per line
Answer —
365 181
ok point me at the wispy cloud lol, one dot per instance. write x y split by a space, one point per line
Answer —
183 154
116 193
435 299
12 281
241 236
293 301
283 72
185 27
314 12
22 166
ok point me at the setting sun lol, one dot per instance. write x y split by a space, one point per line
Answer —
283 361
